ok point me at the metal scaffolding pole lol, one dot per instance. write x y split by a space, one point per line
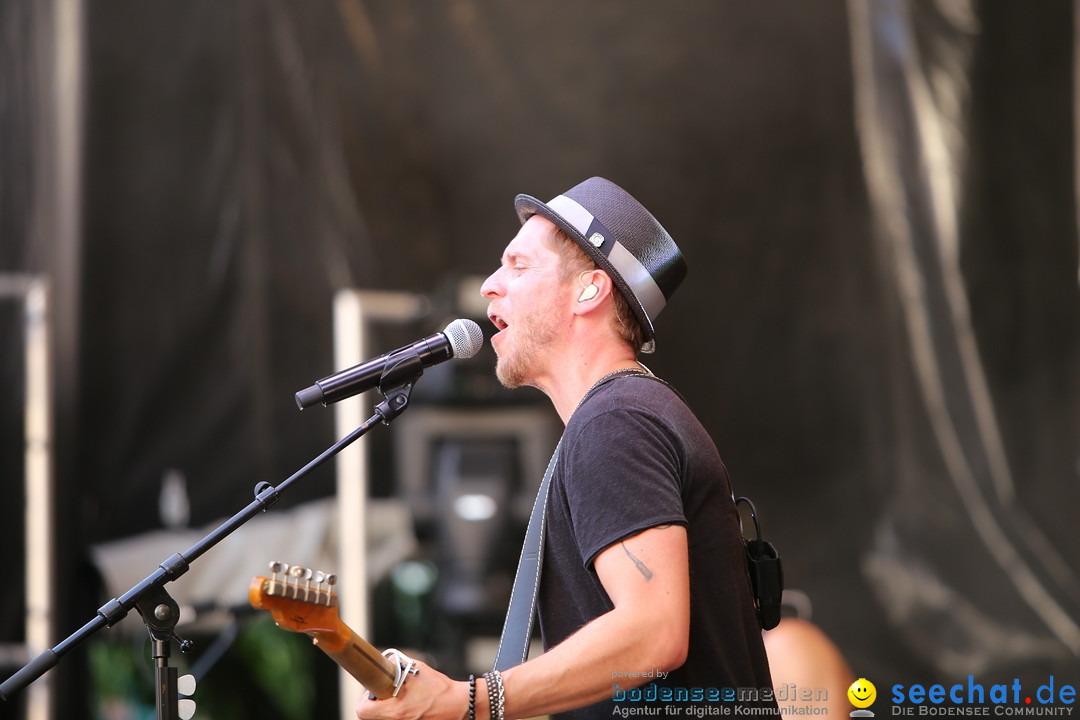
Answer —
38 480
353 311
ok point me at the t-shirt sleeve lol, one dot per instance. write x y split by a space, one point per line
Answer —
624 480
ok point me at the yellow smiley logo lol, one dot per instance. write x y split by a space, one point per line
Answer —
862 693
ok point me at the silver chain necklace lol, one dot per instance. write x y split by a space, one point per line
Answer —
632 371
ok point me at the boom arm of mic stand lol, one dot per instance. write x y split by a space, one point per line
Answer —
112 612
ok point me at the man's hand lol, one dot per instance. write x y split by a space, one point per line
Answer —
647 578
428 694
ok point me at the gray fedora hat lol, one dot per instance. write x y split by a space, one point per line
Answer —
623 238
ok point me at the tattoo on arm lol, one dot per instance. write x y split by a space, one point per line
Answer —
642 567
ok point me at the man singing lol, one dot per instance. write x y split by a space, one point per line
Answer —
644 599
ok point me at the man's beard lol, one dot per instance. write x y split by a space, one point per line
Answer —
532 337
510 373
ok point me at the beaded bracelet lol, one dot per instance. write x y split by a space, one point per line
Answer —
472 697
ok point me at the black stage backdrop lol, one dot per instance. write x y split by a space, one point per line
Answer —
866 342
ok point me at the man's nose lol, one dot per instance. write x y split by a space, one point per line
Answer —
491 286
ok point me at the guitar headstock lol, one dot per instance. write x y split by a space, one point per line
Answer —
304 601
299 599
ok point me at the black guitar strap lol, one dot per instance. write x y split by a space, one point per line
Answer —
517 629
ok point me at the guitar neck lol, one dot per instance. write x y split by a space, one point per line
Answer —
359 658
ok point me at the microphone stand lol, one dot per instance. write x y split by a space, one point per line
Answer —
159 611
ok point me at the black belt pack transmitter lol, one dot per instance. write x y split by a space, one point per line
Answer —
766 573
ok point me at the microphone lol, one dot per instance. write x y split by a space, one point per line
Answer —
461 338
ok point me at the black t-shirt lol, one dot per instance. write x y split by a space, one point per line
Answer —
634 457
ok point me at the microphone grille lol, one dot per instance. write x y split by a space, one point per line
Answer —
465 336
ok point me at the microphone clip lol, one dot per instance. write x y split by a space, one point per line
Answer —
396 383
397 399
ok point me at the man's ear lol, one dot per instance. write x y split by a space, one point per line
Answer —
595 286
